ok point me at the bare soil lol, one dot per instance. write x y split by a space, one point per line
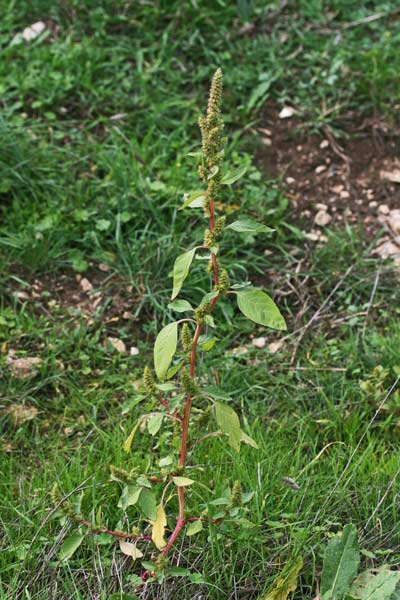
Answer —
354 177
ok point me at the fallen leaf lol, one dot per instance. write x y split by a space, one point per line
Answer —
117 344
22 368
130 549
286 584
20 413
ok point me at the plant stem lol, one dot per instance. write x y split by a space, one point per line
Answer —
181 521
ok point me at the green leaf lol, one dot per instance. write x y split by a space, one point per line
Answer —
182 481
181 270
208 344
168 386
376 585
195 200
154 424
172 371
340 566
70 545
229 423
233 176
148 505
247 225
165 348
180 305
257 306
208 297
246 439
194 527
130 496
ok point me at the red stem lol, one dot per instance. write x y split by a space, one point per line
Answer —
181 521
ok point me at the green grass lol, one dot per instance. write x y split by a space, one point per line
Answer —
79 189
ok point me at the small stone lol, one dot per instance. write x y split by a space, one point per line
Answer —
133 351
383 209
321 206
324 144
320 169
287 112
290 180
345 194
86 286
394 221
373 204
103 267
127 315
312 236
259 342
266 141
274 347
322 218
32 32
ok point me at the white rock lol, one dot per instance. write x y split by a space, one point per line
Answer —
275 346
393 221
320 169
345 194
383 209
324 144
312 236
259 342
287 112
32 32
322 218
290 180
85 284
134 351
321 206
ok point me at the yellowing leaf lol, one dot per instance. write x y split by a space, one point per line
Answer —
246 439
129 439
157 533
182 481
130 549
285 585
